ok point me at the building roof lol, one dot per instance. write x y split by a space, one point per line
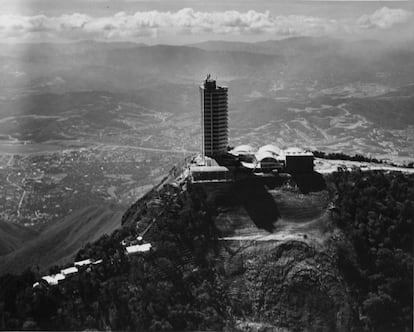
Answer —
206 161
270 148
84 262
59 276
51 280
69 270
139 248
242 149
207 169
260 155
248 165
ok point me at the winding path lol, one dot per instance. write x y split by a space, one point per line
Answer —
21 197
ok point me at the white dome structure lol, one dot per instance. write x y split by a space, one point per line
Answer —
269 158
245 154
273 149
242 150
261 155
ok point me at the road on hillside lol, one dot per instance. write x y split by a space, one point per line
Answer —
19 205
144 148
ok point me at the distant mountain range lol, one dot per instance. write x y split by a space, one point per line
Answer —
319 92
128 66
325 94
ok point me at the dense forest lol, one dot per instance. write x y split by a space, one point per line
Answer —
175 286
181 285
343 156
357 157
376 212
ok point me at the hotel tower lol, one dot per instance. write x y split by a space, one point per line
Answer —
214 118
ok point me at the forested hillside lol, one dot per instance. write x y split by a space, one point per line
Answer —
376 212
184 282
176 286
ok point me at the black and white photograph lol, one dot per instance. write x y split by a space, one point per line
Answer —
220 165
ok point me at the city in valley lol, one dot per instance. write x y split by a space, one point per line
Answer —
235 166
42 188
63 149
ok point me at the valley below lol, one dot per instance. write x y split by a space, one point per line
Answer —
77 150
260 255
112 142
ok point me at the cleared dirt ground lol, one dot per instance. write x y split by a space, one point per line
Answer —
278 249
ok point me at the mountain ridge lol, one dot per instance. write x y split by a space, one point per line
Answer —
261 254
14 236
58 243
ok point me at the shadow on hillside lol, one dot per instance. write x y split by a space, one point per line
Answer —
309 182
258 203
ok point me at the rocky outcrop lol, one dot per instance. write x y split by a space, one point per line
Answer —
291 285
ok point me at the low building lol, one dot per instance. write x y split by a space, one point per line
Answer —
245 154
273 149
266 162
210 174
59 277
242 150
139 248
269 159
298 161
69 271
82 263
54 279
50 280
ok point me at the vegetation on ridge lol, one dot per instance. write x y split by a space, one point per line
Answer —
176 286
376 212
343 156
185 283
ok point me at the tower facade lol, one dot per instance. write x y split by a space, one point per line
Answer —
214 118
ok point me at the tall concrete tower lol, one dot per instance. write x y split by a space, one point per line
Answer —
214 118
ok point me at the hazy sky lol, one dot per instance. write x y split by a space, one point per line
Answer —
184 21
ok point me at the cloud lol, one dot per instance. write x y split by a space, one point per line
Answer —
384 18
153 24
